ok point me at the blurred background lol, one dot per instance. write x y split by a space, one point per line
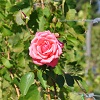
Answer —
92 47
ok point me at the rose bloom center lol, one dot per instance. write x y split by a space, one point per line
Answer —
45 46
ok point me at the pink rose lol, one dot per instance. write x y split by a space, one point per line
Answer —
45 49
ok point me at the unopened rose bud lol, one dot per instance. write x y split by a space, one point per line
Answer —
24 15
54 20
57 35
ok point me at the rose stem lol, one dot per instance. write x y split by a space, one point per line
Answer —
16 88
80 87
48 95
23 14
55 89
28 28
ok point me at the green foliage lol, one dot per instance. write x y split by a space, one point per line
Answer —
25 82
40 77
19 20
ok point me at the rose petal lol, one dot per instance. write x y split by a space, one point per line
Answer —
53 63
56 55
37 61
61 44
59 50
39 49
33 53
42 33
54 48
48 60
41 55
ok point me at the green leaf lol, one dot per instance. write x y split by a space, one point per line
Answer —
6 31
60 80
77 78
71 14
3 71
58 70
71 4
69 80
25 82
33 93
81 37
19 47
41 22
21 61
72 39
46 12
7 76
15 81
65 8
84 85
40 77
58 24
6 62
18 18
79 29
19 5
1 16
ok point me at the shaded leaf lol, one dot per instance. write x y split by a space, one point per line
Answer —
77 78
71 3
69 80
65 8
60 80
79 29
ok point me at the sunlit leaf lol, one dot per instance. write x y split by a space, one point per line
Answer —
6 31
6 62
18 18
46 11
32 94
25 82
40 77
18 47
41 22
58 70
71 14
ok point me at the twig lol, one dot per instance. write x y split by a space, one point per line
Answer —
42 4
16 88
28 28
48 95
25 17
81 87
55 90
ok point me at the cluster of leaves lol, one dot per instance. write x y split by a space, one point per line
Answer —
19 77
